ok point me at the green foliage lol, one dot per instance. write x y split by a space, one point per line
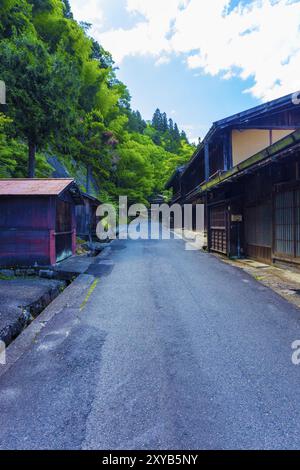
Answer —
64 98
134 175
15 18
167 133
136 122
7 158
13 155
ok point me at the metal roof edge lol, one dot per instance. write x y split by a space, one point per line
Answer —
270 151
221 123
179 169
89 196
264 107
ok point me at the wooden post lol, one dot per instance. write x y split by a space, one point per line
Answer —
206 159
227 151
74 232
52 250
88 178
31 158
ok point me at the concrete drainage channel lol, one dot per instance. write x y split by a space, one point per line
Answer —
30 298
22 300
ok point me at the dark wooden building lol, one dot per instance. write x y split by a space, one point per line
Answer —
86 218
37 221
175 183
254 210
246 172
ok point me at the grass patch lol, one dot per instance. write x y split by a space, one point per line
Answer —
6 278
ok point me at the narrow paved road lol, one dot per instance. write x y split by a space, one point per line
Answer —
174 349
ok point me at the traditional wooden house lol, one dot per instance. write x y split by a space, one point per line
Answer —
254 209
174 183
246 172
86 218
37 221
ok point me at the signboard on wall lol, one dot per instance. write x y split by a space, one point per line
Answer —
236 218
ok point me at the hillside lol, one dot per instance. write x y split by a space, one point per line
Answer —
67 109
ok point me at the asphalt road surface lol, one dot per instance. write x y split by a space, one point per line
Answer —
172 350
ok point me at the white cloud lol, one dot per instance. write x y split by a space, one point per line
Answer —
90 11
164 59
194 132
260 40
149 35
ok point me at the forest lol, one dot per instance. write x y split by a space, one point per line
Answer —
64 100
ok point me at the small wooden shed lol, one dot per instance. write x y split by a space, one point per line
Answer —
37 221
86 218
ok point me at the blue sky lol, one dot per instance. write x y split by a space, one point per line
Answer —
199 61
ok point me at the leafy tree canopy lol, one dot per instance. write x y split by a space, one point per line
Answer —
65 99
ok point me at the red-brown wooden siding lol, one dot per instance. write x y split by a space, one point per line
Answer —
25 225
28 230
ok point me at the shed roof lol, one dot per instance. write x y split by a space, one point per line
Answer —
90 197
34 187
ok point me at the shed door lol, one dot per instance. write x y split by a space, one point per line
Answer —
287 225
218 229
64 232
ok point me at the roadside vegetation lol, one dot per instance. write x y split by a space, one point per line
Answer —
64 99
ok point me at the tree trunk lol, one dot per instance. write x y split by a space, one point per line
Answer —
88 178
31 158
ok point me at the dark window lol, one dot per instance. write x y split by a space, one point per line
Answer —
63 217
63 237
